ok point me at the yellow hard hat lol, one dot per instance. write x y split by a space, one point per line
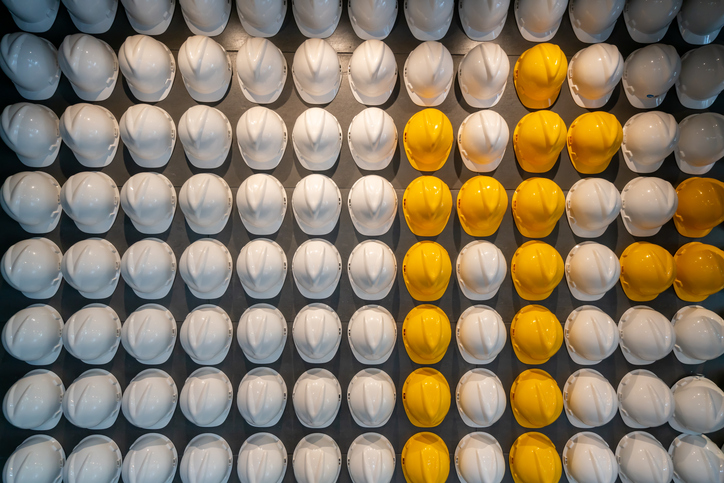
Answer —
428 139
539 74
536 334
537 269
593 139
701 206
534 459
426 334
646 271
427 204
536 399
538 139
425 459
538 204
426 270
699 271
426 397
482 202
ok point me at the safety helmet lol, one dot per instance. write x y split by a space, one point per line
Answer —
317 268
316 71
149 17
32 198
262 397
372 19
319 450
34 401
33 16
426 204
152 458
481 204
90 65
149 200
33 267
482 140
648 139
317 333
91 200
426 397
537 269
261 70
480 270
648 203
594 20
206 397
96 457
701 143
594 73
538 140
262 18
429 20
205 66
31 63
536 334
479 459
93 334
700 21
426 334
428 139
593 139
148 66
372 333
371 459
206 459
317 397
480 398
699 406
149 133
93 400
261 135
592 204
649 73
372 270
480 334
539 74
646 271
317 204
90 16
702 76
317 139
538 204
206 17
641 458
590 334
205 267
92 267
645 335
587 458
206 334
32 131
426 270
425 459
149 400
262 459
483 75
205 200
149 268
533 459
539 21
699 334
645 401
592 270
372 204
33 335
317 18
483 21
205 134
91 132
262 333
149 334
699 271
695 458
535 399
428 73
589 399
648 20
371 398
372 139
262 204
40 458
372 70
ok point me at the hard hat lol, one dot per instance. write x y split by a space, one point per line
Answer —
317 397
206 397
702 76
317 139
593 139
588 459
592 204
40 459
699 334
696 459
699 406
372 204
317 268
479 459
481 204
91 16
480 398
428 139
206 334
594 20
539 74
589 399
317 333
316 71
426 334
149 268
372 19
645 335
91 132
538 140
533 459
32 198
425 459
148 66
261 135
34 401
429 20
205 66
92 267
372 139
648 203
33 335
32 131
33 16
262 333
372 333
426 204
372 70
261 70
206 267
480 334
149 200
262 18
592 270
90 65
316 204
538 204
152 458
150 399
648 139
149 17
539 21
262 458
93 334
93 400
149 133
483 74
149 334
480 270
648 20
645 401
482 140
262 268
428 73
33 267
699 271
31 63
535 399
536 334
590 335
205 200
483 21
319 450
206 459
426 270
700 21
649 73
91 200
206 17
95 458
700 145
205 134
371 459
641 458
262 397
371 398
426 398
537 269
372 270
646 271
317 18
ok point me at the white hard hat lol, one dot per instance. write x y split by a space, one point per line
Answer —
92 16
642 459
262 397
262 18
34 15
33 267
31 63
316 71
483 75
587 458
371 459
90 65
205 200
317 204
649 73
480 334
261 70
149 200
91 132
206 17
317 18
589 399
700 21
205 66
699 406
483 21
152 458
648 20
482 140
591 271
372 204
317 459
646 336
594 20
262 458
479 458
372 19
539 21
371 398
206 459
33 335
205 134
429 19
699 334
149 334
480 270
648 139
93 400
372 70
149 133
262 268
372 139
372 333
93 334
149 268
261 135
206 334
38 459
148 66
91 200
428 73
317 268
262 204
594 73
372 270
702 76
149 400
590 335
35 401
317 139
92 267
645 401
647 204
592 204
701 142
317 397
32 131
206 266
696 459
317 332
95 458
32 198
149 17
480 398
262 333
206 397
